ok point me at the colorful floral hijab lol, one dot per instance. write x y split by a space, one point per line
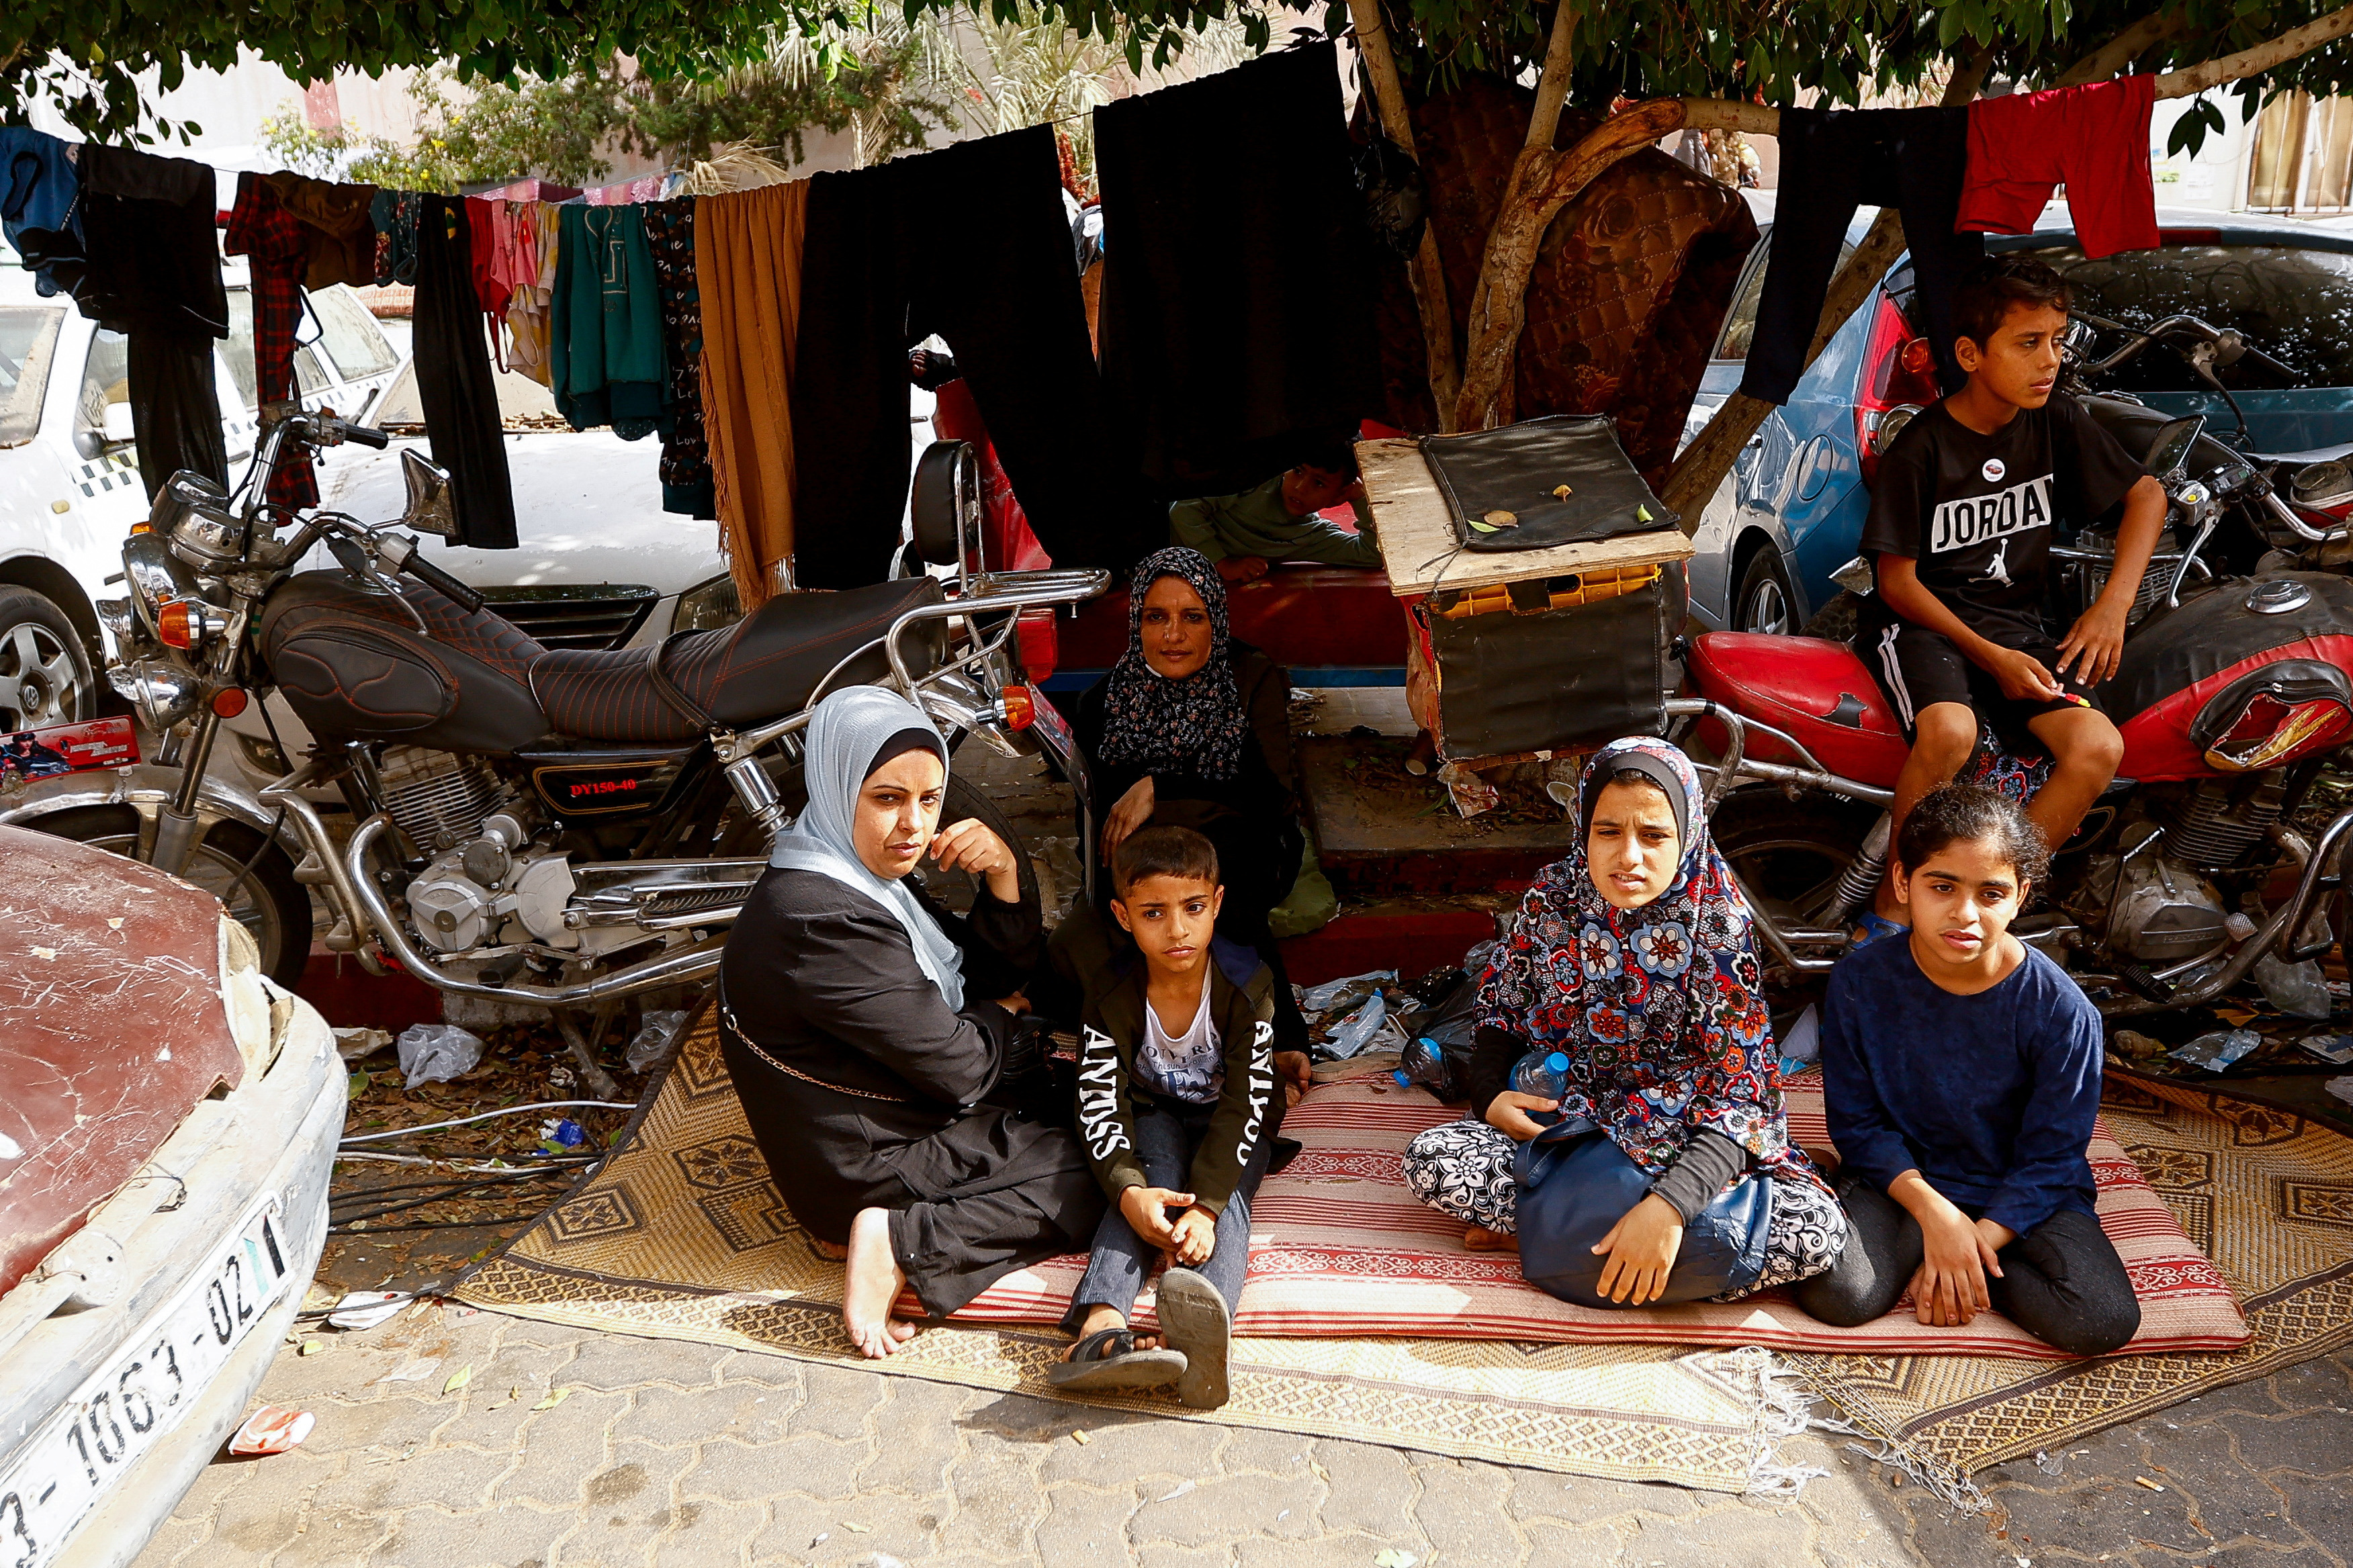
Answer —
1193 725
1660 1010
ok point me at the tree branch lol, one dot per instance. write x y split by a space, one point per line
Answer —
2301 40
2123 50
1427 273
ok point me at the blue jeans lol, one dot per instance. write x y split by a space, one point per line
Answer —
1167 1133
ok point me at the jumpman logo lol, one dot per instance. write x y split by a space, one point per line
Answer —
1997 570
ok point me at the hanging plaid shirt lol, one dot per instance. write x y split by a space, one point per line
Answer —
277 253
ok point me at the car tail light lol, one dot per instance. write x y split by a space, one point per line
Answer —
1898 380
1021 706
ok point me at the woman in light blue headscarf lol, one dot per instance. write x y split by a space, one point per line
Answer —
867 1066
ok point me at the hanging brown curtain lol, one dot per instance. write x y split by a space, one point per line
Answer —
747 260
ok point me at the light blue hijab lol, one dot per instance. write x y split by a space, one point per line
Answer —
848 729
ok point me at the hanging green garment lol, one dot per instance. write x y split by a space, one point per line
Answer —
606 341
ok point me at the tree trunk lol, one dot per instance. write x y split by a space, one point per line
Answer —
1427 273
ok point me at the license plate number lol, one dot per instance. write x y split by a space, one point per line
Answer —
143 1391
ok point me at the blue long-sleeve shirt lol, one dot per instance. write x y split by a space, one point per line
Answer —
1990 1096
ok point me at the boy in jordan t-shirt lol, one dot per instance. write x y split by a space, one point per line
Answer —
1959 537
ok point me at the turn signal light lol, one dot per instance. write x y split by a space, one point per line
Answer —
230 701
1021 706
174 627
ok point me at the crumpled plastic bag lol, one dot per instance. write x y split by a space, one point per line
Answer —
2218 1050
2298 990
652 1041
437 1053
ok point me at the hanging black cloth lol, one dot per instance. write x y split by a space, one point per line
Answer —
153 274
454 386
1237 294
972 243
1832 161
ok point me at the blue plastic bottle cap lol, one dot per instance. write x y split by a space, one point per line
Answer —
1403 1081
1556 1062
1426 1040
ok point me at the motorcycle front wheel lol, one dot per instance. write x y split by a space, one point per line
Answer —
252 877
1790 854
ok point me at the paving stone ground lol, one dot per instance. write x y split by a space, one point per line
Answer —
662 1453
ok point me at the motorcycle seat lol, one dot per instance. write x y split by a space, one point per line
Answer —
762 668
1819 692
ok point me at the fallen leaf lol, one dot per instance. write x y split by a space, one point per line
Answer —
1562 491
459 1379
312 1347
1482 527
1393 1557
555 1396
1642 514
1499 518
856 1528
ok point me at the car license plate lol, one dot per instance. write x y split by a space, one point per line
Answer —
143 1392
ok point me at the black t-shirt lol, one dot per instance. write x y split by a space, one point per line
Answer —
1976 511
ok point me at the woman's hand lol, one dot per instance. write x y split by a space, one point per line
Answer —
1641 1247
1130 812
1146 1209
1507 1113
971 845
1196 1233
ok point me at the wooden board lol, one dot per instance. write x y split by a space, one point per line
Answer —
1418 540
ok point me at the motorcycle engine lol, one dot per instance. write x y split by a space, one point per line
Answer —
2165 908
488 886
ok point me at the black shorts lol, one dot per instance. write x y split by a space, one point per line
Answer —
1918 668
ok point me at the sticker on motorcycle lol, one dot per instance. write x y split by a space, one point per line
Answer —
61 749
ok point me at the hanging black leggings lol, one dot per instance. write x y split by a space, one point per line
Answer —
2062 1281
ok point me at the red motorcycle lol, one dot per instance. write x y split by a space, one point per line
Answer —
2224 835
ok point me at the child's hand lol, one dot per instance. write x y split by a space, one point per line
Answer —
2022 678
1146 1209
1950 1287
1196 1233
1296 1074
1507 1113
2096 643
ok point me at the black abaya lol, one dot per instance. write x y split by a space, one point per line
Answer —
454 384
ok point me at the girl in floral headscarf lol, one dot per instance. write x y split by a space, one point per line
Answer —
1633 958
1192 728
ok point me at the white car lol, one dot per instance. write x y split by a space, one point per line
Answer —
70 487
166 1145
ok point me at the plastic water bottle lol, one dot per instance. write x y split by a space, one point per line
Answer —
1544 1075
1424 1061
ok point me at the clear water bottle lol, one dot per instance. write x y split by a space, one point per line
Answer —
1424 1061
1542 1074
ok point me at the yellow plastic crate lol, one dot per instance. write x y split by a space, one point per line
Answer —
1536 596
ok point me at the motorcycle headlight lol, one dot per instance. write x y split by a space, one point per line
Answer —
707 606
162 690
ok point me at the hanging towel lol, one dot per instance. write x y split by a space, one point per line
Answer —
1238 293
2093 138
40 209
454 384
747 264
1832 161
606 336
338 228
272 241
1005 294
686 451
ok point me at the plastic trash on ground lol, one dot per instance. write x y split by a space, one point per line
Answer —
2337 1050
272 1429
367 1309
561 1136
1355 1032
1805 1041
358 1045
2298 990
2342 1088
437 1053
652 1041
1345 993
2218 1050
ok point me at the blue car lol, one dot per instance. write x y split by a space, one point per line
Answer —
1791 511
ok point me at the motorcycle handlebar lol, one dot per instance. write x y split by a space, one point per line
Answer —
440 582
363 435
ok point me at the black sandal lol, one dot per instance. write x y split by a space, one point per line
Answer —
1108 1359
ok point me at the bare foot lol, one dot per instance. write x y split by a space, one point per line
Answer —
1479 1239
871 1286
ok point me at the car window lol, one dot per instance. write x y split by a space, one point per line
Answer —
353 342
1740 319
238 347
105 379
28 340
2287 302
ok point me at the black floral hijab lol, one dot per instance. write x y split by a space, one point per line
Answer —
1193 725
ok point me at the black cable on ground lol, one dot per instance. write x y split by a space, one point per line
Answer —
452 1191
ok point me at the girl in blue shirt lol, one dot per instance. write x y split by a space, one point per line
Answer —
1961 1073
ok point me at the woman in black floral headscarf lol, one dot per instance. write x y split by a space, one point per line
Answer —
1193 728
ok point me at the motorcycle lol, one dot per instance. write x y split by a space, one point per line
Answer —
2224 835
563 829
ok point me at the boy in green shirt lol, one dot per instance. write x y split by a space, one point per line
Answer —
1277 521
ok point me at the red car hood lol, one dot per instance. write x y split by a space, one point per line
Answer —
112 1028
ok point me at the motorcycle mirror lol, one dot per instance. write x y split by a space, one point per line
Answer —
2169 453
432 509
